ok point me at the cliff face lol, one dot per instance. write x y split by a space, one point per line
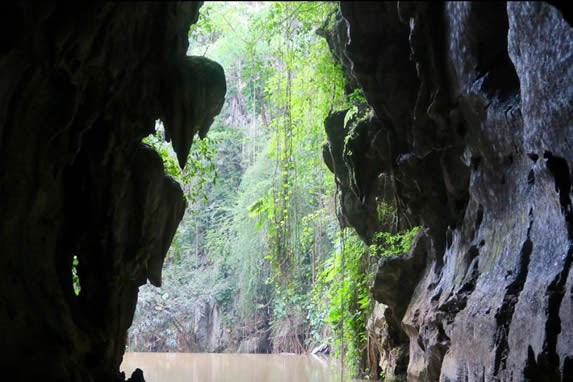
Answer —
82 84
472 122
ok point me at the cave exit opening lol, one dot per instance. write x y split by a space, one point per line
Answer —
255 266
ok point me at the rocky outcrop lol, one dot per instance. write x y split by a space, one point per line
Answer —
472 123
257 344
207 331
168 327
346 157
83 83
388 345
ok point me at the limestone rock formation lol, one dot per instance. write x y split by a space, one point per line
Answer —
82 84
473 101
193 95
208 331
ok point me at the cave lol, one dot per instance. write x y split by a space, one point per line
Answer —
471 122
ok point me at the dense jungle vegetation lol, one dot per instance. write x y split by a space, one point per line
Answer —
259 262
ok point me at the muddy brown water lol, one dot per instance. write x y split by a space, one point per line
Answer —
203 367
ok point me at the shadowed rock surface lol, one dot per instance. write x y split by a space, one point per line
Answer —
82 84
473 101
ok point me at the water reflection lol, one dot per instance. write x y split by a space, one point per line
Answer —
203 367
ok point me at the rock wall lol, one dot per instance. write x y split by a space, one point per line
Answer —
82 84
472 122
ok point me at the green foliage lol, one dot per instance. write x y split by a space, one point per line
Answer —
343 287
75 277
170 165
357 97
387 244
249 239
342 290
344 282
199 171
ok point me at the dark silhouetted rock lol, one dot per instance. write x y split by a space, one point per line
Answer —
82 84
194 92
136 376
323 349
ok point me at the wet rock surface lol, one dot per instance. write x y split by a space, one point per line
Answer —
82 84
473 101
